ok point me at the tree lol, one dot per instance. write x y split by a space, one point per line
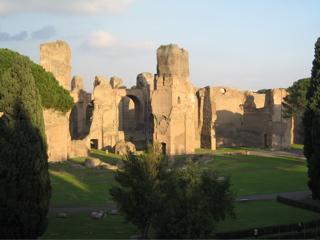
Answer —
311 122
296 101
195 202
25 188
53 96
139 196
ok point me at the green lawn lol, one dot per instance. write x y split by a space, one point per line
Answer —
81 226
250 175
259 214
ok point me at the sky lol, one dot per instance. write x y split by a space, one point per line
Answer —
244 44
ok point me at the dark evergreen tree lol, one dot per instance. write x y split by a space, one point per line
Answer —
311 122
25 188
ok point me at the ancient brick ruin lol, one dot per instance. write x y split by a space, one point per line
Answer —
164 107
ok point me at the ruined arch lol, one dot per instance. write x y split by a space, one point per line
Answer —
130 114
133 115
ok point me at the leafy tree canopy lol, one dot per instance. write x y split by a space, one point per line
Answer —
194 202
139 197
53 96
177 203
296 101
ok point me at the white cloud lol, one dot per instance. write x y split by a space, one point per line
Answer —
8 7
100 39
104 43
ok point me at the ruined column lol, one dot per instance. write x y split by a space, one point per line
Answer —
55 57
173 102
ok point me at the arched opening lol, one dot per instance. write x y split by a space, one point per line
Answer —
131 120
129 114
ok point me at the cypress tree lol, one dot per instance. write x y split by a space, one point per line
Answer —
24 178
311 122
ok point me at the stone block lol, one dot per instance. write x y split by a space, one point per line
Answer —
92 162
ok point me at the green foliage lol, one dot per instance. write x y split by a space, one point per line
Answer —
53 96
24 178
139 197
311 122
295 102
195 201
262 91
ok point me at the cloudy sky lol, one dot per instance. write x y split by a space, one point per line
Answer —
245 44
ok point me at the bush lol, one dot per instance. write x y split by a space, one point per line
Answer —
298 204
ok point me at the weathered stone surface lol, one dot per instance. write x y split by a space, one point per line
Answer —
172 61
76 166
116 83
92 162
58 136
55 57
107 166
165 108
62 215
97 215
105 120
174 102
113 212
119 163
77 83
79 148
122 147
170 160
145 81
99 80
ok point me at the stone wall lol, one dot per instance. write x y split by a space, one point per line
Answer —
163 107
58 136
55 57
231 117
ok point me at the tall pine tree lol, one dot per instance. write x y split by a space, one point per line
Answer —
311 122
25 188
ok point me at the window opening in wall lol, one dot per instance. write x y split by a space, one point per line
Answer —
266 141
94 143
163 147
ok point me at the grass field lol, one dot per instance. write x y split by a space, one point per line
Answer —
250 175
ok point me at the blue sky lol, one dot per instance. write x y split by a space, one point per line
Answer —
244 44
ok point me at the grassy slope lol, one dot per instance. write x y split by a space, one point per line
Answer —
89 188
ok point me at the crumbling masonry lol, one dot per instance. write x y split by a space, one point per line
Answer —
163 107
